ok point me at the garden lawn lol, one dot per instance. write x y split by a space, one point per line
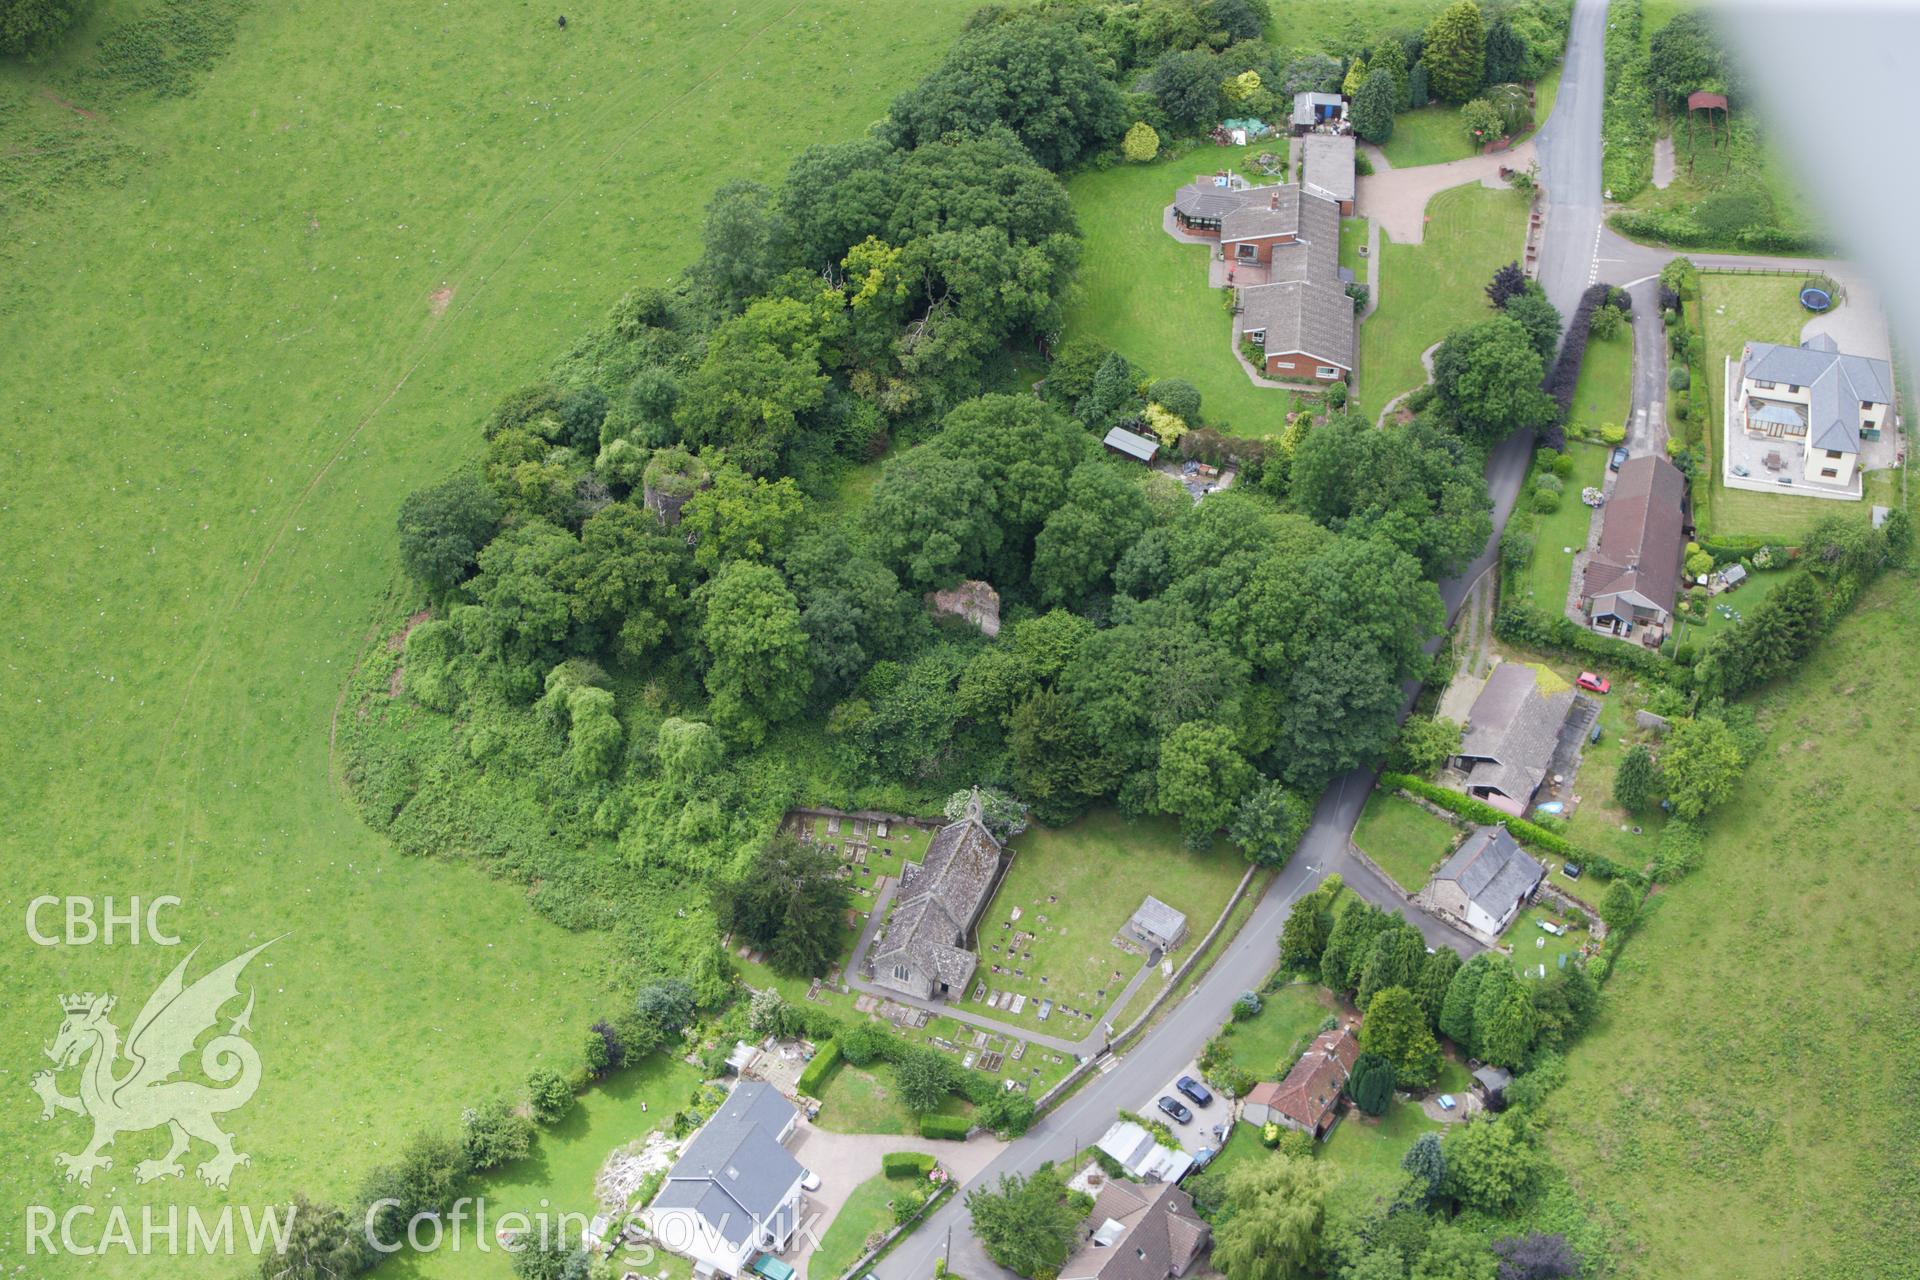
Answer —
1740 601
1534 946
1075 888
1550 571
865 1100
1403 838
1748 1102
1737 310
1365 1153
559 1173
1145 294
1268 1043
1426 290
1430 135
1604 394
289 301
867 1210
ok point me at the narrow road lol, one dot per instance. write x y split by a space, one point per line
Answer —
1570 149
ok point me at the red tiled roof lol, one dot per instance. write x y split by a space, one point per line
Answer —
1311 1091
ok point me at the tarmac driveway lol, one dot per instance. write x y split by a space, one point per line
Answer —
845 1160
1197 1135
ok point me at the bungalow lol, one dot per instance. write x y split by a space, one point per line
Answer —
1309 1098
924 946
735 1191
1485 881
1509 738
1816 402
1138 1232
1326 160
1633 576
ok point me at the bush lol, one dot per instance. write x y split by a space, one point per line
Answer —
1547 482
1008 1112
1677 378
907 1164
1516 547
1626 122
549 1095
1682 845
867 1042
1561 464
816 1072
1141 144
1178 397
1613 433
1337 392
1545 501
945 1128
1246 1006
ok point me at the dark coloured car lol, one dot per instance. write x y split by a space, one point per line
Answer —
1174 1109
1619 458
1196 1092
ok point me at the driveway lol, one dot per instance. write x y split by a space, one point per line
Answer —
1396 199
1196 1135
845 1160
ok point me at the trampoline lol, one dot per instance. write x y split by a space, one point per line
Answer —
1814 298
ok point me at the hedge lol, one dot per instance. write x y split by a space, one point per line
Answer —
1485 814
1524 624
1684 232
906 1164
825 1059
945 1128
1565 374
1626 119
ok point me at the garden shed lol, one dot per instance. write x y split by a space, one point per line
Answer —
1157 925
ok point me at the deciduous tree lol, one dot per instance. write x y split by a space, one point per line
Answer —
1202 777
790 902
1027 1223
1396 1029
1276 1210
757 671
443 527
1269 821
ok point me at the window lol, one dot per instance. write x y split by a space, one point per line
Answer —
1257 336
1833 453
900 971
1867 406
1793 389
1326 371
1765 386
1828 473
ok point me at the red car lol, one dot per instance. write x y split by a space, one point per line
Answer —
1598 684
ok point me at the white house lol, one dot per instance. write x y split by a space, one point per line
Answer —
1811 406
1486 881
735 1191
1143 1157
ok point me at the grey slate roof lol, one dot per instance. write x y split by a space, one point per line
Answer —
1137 1232
1303 316
1493 871
1511 732
734 1173
1641 538
941 896
1203 198
1157 917
1275 213
1328 160
1836 383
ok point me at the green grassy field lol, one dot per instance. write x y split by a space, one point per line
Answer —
1269 1043
1403 838
1428 289
1748 1102
559 1174
1604 394
1740 601
1146 295
1737 310
1548 572
1075 887
1365 1152
1431 135
225 363
1311 26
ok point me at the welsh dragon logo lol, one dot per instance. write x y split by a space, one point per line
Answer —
131 1088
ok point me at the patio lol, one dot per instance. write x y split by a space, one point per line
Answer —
1761 453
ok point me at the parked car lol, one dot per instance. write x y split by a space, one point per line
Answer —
1594 683
1619 458
1174 1109
809 1180
1447 1103
1197 1092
